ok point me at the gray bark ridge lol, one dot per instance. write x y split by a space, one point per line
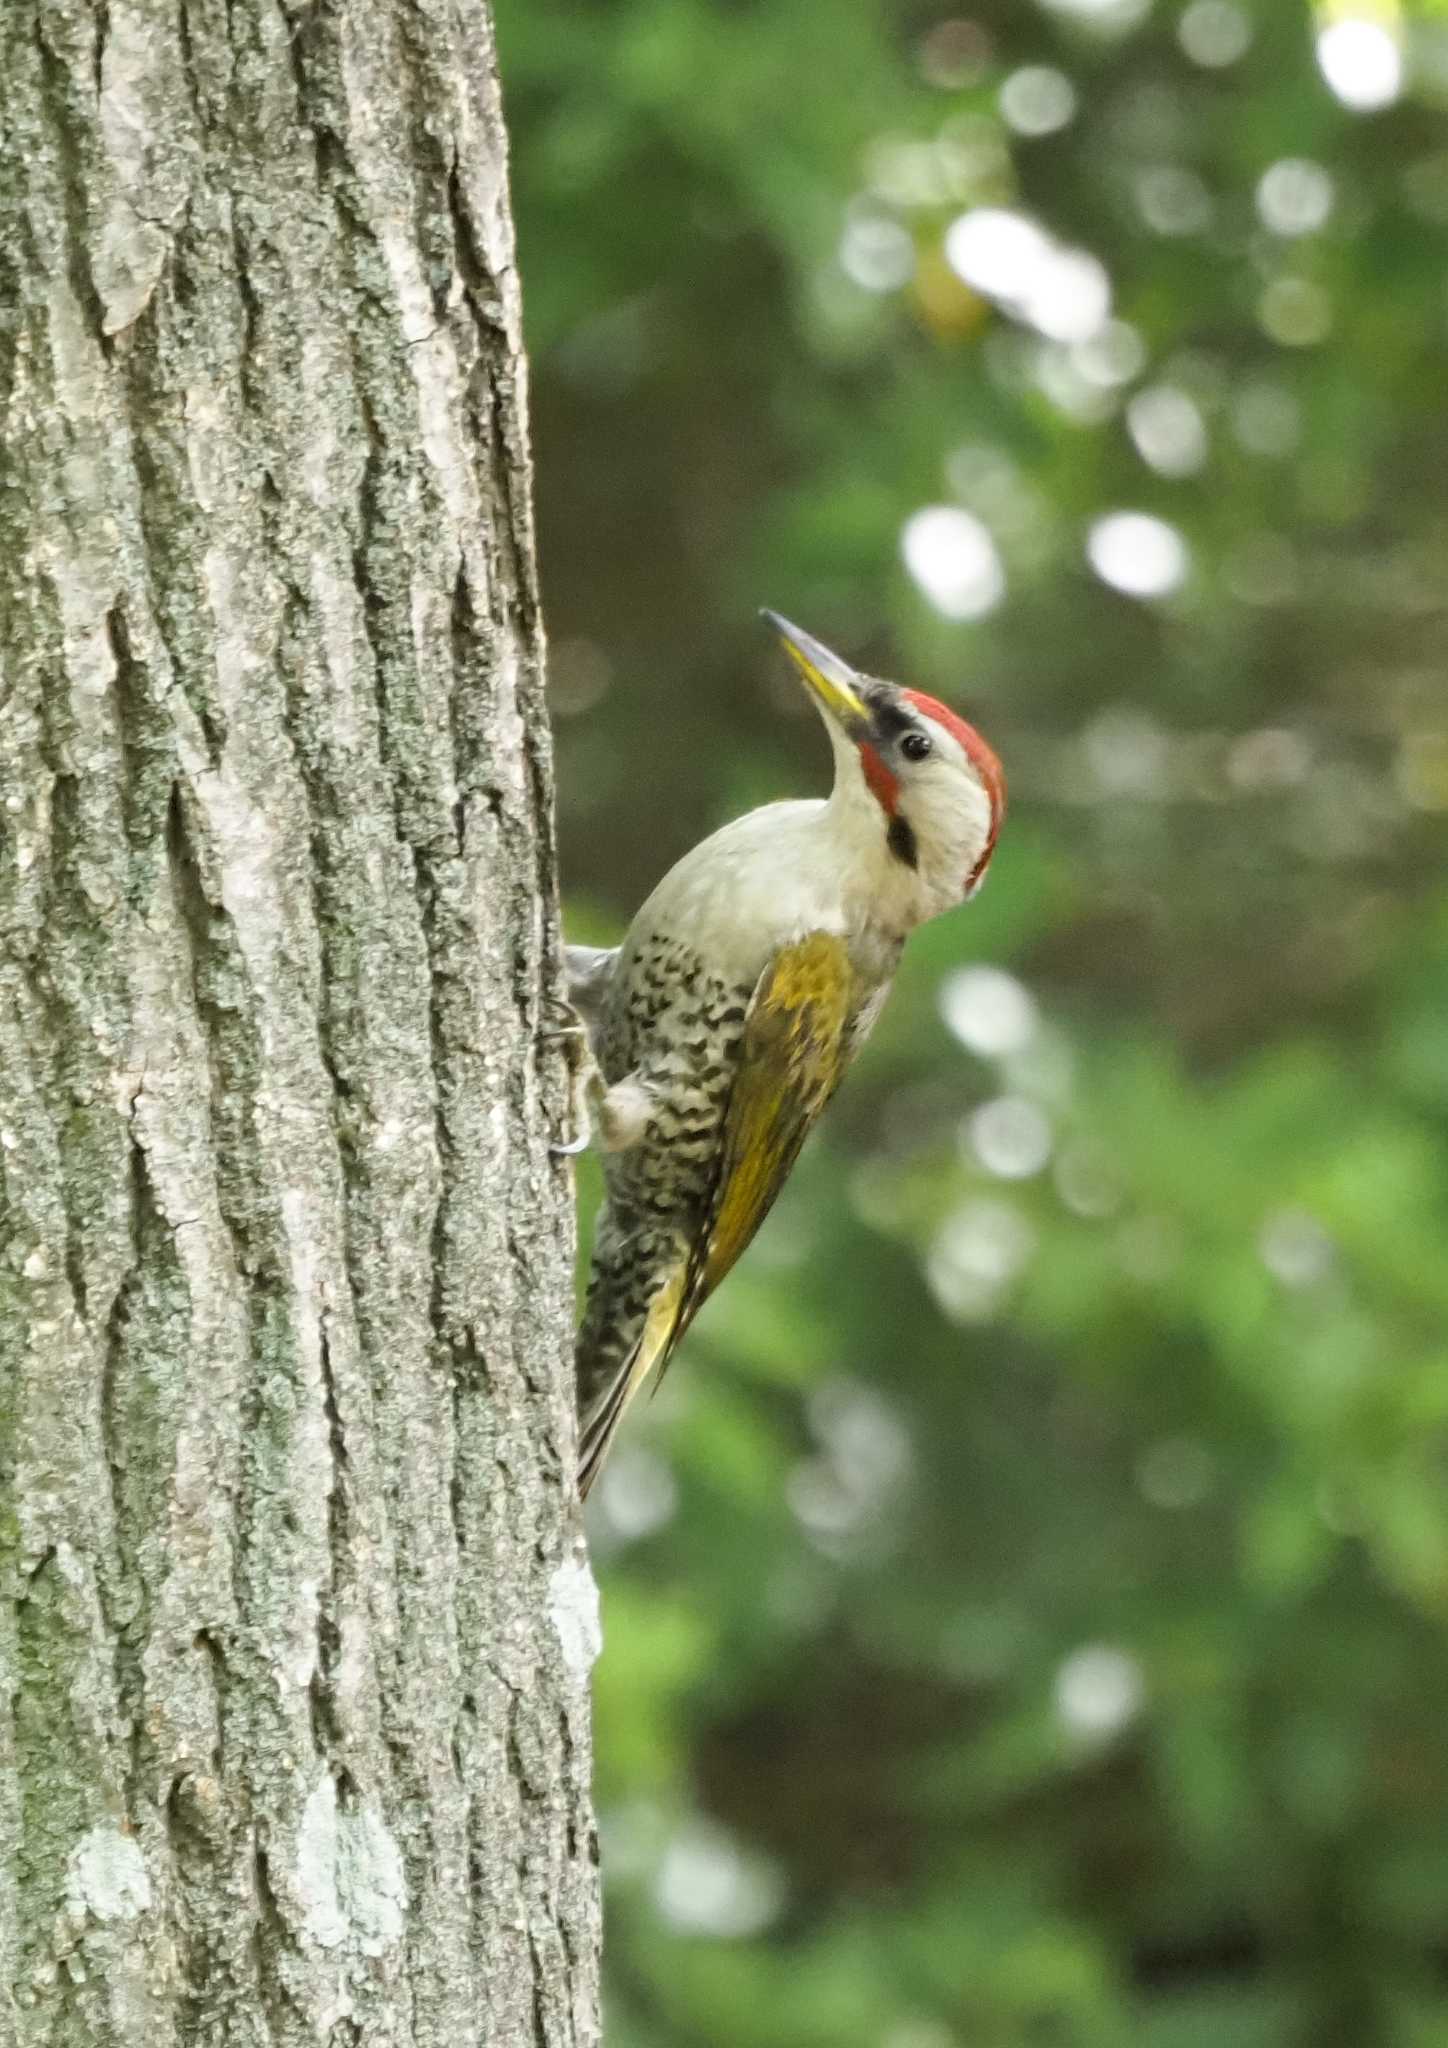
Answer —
295 1626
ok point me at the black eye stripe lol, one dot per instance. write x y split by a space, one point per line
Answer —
895 722
891 719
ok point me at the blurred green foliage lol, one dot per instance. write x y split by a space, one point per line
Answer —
1026 1599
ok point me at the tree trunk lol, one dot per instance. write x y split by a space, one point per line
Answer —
295 1627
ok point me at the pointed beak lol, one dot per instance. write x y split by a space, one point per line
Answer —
831 682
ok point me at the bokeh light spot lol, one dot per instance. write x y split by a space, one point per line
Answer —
1079 398
1112 356
579 674
1011 1137
919 2033
1295 312
988 1010
638 1492
1215 33
1127 753
1295 1248
1172 200
1362 62
866 1441
1070 297
1064 294
995 250
1037 100
979 1251
954 53
876 252
1271 758
1168 431
954 560
1099 1691
1266 419
1111 17
707 1883
1138 554
1294 196
1176 1472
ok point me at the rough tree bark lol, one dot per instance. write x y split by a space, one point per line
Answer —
294 1631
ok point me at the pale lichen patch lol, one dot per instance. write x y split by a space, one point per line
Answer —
573 1610
107 1877
349 1874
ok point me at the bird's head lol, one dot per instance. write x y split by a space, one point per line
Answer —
909 774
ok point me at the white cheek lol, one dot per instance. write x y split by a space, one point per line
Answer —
951 814
956 808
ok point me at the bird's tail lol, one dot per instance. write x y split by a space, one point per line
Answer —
610 1373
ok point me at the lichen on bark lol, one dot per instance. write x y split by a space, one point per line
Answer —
293 1731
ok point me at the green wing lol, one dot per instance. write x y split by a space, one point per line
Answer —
791 1061
795 1047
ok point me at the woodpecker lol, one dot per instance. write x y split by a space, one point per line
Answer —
747 983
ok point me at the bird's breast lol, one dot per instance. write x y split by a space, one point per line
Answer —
750 888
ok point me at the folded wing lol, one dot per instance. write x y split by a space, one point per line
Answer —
796 1044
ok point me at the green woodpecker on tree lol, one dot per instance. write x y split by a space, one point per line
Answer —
746 985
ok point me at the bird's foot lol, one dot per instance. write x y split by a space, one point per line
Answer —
585 1083
618 1115
568 1025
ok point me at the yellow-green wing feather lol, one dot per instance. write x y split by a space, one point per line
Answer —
791 1061
795 1047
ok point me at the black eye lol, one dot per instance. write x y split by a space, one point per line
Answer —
915 746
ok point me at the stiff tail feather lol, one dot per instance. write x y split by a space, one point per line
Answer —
660 1332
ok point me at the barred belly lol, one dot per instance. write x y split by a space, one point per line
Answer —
677 1027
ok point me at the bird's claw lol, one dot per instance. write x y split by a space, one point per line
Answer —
584 1080
570 1024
